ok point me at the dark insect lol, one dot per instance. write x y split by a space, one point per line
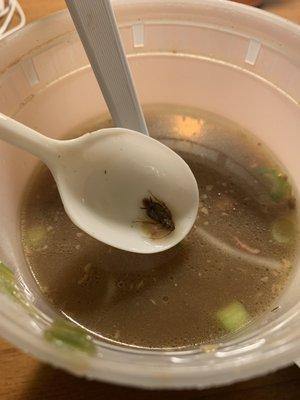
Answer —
158 212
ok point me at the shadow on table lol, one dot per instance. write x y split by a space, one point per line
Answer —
54 384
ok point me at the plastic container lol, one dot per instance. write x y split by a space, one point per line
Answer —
230 59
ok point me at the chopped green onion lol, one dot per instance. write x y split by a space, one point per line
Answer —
7 280
8 284
6 273
66 334
233 317
283 230
36 236
280 187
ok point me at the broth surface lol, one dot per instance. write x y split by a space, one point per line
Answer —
228 271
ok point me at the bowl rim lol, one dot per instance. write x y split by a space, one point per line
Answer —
175 374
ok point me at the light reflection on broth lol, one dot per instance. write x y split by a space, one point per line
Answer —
186 126
229 270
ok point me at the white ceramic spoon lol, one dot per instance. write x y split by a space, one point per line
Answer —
104 176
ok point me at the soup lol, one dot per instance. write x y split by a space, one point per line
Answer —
226 273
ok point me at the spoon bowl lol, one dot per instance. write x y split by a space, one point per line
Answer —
103 178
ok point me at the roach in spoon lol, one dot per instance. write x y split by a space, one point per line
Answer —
158 211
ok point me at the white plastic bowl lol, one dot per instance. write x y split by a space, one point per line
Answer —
230 59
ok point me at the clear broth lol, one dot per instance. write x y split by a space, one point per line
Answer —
228 271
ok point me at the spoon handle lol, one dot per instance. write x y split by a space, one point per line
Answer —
96 25
13 132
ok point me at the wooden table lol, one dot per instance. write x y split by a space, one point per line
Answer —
23 378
